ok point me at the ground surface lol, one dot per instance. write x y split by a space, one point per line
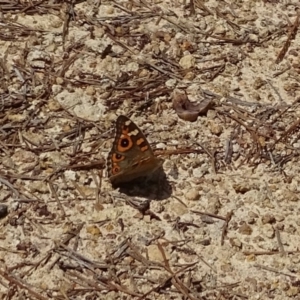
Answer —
224 223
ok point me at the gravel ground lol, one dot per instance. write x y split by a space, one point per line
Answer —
214 86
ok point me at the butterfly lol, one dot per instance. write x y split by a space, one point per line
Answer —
131 155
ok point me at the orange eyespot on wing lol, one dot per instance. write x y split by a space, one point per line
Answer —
116 157
125 143
115 170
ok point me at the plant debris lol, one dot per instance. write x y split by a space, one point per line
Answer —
187 110
224 221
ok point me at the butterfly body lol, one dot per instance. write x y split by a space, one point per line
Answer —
131 155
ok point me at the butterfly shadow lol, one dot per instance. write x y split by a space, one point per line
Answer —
153 187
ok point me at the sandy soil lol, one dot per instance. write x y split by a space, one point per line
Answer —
222 222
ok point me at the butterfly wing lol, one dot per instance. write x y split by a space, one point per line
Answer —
131 155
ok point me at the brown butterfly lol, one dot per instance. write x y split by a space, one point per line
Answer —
131 155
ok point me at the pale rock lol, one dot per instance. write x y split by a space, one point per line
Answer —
268 219
161 146
53 105
235 243
215 128
192 194
93 230
38 58
178 209
17 117
70 175
155 254
269 231
90 90
293 291
132 67
245 229
171 83
38 186
187 61
82 105
187 218
25 160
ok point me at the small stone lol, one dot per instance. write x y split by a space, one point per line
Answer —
235 243
16 117
161 146
291 196
245 229
227 268
268 219
251 257
178 208
258 239
253 38
81 104
171 83
295 260
14 206
187 61
110 10
252 214
292 291
147 219
187 218
4 195
39 186
219 30
90 90
215 128
291 229
25 160
192 194
252 281
207 219
206 242
93 230
59 80
293 268
279 218
53 105
284 286
166 217
214 205
70 175
189 76
139 216
241 187
109 227
250 221
157 207
211 114
155 254
269 231
279 226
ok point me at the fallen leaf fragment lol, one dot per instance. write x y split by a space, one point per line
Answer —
187 110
